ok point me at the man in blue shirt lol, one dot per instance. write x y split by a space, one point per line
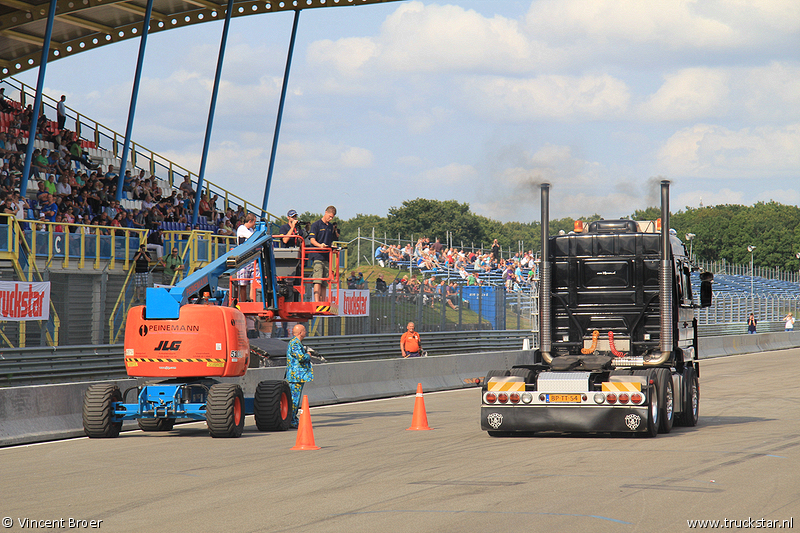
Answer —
321 235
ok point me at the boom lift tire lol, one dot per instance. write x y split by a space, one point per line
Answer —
225 410
272 406
156 424
666 395
691 399
98 411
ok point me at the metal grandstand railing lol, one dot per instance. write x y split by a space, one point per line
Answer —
735 308
141 158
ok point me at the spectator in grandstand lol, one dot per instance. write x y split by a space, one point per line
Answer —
382 254
186 186
299 370
408 251
751 323
443 290
361 283
61 112
7 213
495 251
5 105
508 277
63 187
155 242
142 260
171 263
6 179
225 228
49 208
428 292
204 210
380 285
413 286
788 322
351 281
410 342
472 279
321 235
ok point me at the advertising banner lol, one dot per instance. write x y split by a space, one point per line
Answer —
23 300
353 302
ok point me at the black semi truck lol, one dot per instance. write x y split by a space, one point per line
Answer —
618 335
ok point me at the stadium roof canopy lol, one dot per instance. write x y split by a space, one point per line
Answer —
82 25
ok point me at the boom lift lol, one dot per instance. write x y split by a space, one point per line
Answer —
619 350
188 345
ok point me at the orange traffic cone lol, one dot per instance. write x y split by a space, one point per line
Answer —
305 433
419 421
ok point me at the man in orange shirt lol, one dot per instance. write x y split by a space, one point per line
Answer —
409 342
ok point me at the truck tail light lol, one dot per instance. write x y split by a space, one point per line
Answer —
514 397
502 397
623 398
611 398
490 397
636 398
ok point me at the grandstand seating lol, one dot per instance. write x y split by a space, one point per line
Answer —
739 285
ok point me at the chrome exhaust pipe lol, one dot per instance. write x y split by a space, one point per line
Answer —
665 281
545 301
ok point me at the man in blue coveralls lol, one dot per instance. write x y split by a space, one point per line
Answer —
298 368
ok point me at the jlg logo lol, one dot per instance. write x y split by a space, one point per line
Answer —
164 346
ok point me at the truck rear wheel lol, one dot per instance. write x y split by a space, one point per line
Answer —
156 424
691 399
98 411
225 410
273 406
494 374
666 395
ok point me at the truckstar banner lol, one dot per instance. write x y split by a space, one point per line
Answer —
22 300
353 302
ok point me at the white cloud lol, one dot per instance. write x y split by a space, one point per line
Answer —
666 24
354 157
346 55
561 97
711 151
690 94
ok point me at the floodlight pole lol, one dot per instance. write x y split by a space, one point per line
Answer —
211 110
750 249
37 101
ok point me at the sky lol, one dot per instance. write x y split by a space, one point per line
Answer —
477 101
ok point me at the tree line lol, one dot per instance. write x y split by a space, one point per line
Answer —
722 232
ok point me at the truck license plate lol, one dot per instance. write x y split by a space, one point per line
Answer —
563 398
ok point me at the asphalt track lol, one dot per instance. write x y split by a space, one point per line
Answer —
741 462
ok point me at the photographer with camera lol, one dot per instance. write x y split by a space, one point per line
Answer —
289 232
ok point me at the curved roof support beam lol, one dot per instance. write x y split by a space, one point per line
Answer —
37 102
134 96
211 108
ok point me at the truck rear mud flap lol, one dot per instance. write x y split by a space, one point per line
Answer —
564 419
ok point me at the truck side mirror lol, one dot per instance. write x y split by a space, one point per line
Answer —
706 279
